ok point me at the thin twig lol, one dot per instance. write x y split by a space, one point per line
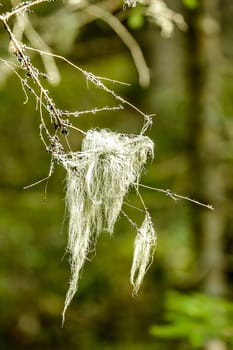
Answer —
128 40
134 207
176 197
37 183
75 128
95 110
35 39
26 63
25 6
97 81
134 225
42 52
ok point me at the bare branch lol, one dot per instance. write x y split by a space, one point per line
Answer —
128 40
24 6
177 196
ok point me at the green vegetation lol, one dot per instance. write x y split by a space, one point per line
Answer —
196 317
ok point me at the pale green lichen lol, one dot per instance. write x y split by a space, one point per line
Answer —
144 248
98 178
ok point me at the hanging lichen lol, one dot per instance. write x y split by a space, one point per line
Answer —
144 247
97 180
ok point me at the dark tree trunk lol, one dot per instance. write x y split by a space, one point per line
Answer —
206 170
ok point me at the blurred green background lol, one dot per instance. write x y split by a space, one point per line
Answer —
186 299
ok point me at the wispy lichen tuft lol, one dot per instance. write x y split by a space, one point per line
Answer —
144 248
97 180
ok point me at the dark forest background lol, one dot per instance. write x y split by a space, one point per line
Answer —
186 299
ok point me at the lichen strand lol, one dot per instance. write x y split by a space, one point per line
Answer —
144 248
97 180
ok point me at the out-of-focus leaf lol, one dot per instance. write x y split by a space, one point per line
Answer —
192 4
197 318
136 18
